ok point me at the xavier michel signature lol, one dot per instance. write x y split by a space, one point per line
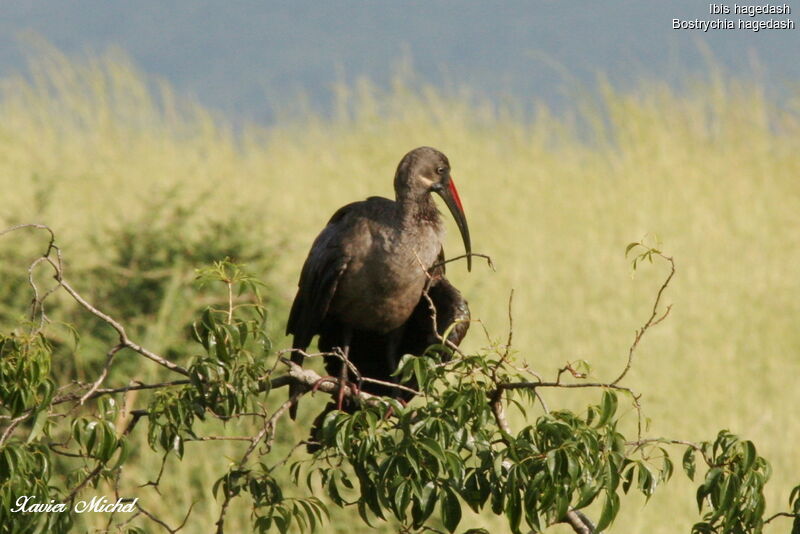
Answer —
25 504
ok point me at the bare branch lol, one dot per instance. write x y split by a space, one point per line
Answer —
579 522
162 523
464 256
36 226
110 391
103 374
12 425
781 514
123 337
651 321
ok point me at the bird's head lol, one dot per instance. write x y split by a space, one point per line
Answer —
425 170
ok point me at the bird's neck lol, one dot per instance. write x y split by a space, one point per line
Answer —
419 211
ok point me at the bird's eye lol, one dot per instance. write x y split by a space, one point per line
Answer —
440 170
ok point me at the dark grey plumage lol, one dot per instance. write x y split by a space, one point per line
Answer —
365 273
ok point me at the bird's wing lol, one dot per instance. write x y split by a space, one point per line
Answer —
324 266
451 309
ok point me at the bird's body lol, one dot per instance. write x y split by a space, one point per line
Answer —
413 337
365 274
384 261
418 334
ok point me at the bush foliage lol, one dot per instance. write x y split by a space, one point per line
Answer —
421 464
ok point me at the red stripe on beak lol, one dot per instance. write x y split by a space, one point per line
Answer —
454 192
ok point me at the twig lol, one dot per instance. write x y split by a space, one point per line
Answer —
162 523
123 337
103 374
219 438
463 256
110 391
496 402
12 425
33 225
651 321
267 430
157 481
535 385
781 514
510 326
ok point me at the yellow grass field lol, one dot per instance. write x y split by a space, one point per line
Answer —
713 171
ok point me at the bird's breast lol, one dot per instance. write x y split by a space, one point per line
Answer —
384 278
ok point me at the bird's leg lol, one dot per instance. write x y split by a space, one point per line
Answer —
347 335
390 411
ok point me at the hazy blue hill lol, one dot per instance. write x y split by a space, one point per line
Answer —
240 55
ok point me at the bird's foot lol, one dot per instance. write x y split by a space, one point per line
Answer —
390 411
321 381
343 385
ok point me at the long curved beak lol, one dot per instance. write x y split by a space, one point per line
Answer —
450 196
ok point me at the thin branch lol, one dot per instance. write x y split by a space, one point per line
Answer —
123 337
268 432
12 425
157 481
230 301
535 385
651 321
162 523
219 438
781 514
464 256
510 326
496 403
103 374
110 391
33 225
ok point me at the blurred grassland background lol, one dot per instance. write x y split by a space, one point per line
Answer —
142 187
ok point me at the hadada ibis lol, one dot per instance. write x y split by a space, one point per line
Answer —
361 287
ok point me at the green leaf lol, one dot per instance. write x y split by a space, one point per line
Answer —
609 512
362 511
794 499
608 406
552 462
689 462
749 455
450 508
38 425
400 500
627 479
424 504
708 485
513 511
434 448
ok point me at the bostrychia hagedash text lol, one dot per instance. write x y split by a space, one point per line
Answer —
362 284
